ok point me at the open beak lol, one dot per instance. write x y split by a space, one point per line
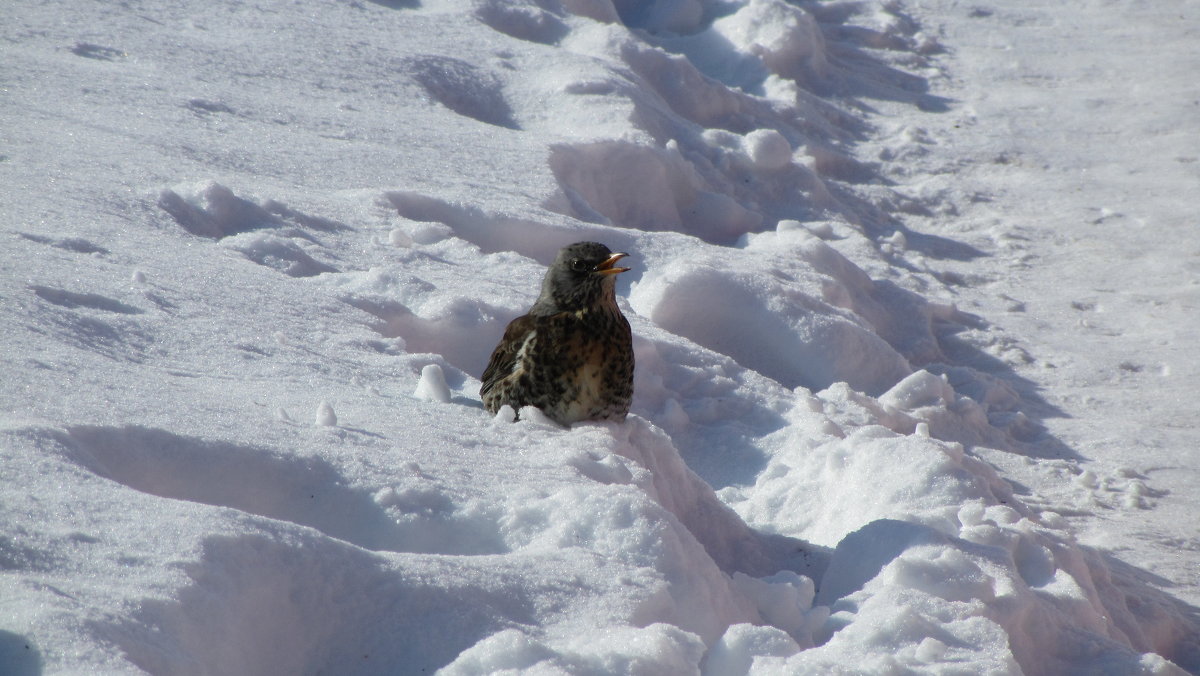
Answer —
608 266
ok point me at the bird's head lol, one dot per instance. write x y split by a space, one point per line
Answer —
583 275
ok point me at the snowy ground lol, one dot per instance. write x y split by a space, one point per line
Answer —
1091 228
914 299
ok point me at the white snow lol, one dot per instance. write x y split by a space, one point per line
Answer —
914 300
432 385
325 415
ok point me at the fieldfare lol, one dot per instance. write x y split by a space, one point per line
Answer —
572 354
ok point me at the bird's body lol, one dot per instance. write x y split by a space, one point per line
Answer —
572 355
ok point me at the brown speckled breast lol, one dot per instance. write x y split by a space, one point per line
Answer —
572 365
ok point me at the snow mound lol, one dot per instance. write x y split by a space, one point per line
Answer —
784 37
657 648
787 341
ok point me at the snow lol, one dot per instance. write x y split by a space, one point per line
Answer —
325 415
913 295
432 385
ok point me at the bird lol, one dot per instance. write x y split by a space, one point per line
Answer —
571 355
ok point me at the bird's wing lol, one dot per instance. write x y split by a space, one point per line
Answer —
504 357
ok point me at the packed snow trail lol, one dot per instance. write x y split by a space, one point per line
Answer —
1076 164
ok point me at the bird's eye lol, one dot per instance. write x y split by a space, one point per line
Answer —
579 265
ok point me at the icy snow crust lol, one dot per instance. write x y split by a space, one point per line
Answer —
257 253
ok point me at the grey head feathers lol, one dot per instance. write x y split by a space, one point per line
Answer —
581 276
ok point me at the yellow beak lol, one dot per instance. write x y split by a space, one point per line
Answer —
607 267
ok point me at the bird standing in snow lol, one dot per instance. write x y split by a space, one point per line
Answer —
572 354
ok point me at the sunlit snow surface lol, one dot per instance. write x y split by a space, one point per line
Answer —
889 416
